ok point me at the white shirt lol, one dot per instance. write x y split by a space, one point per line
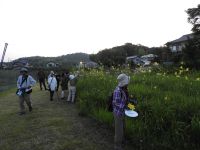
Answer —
52 82
27 83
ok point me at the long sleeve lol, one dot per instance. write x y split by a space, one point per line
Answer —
119 102
19 80
32 81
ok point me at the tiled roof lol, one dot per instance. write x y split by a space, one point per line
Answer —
182 39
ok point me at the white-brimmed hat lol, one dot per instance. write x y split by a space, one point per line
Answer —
123 80
71 77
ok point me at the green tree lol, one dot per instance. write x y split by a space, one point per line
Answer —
194 18
191 52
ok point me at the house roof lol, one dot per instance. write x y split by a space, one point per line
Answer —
182 38
132 57
149 55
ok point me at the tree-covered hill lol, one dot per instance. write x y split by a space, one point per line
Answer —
117 55
63 61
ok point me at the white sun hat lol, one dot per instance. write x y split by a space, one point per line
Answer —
71 77
123 80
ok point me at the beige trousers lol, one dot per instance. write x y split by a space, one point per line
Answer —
26 98
71 94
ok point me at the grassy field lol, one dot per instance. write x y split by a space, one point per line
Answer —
52 125
8 79
168 106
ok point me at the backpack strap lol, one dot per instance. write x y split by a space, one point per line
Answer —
25 79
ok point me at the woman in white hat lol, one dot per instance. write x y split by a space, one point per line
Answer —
120 98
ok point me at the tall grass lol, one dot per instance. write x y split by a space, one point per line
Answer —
168 107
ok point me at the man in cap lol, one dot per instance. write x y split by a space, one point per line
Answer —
24 84
120 98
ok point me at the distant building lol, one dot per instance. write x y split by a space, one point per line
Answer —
89 64
52 65
135 59
144 60
20 63
177 45
4 66
149 57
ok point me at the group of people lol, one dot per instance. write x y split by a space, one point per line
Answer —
25 82
68 82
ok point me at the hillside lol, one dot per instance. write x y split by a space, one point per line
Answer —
64 60
117 55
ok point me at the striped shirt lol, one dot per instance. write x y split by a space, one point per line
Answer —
119 101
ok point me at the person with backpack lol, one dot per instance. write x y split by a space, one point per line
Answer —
64 83
24 88
120 99
72 88
52 83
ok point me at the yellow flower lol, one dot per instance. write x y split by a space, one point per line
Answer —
131 106
198 79
166 98
187 69
186 78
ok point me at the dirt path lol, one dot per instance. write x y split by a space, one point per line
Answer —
53 125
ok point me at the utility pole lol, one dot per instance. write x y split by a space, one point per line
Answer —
4 52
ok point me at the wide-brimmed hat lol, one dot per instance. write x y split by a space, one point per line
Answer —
123 80
24 70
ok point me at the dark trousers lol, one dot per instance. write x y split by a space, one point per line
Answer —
58 83
51 94
42 82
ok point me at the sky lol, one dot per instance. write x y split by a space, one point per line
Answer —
60 27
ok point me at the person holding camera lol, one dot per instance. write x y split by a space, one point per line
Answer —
24 85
